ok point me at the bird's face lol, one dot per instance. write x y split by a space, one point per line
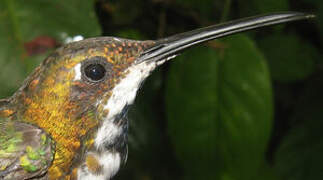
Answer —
81 92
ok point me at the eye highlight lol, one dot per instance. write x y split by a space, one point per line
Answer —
95 72
95 69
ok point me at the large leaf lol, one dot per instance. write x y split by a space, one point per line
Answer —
300 153
289 57
219 108
22 22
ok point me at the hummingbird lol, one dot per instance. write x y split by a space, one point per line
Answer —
68 119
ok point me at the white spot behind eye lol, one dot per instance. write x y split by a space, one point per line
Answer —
77 70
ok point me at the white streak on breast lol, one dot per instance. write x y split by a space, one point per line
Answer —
123 93
110 163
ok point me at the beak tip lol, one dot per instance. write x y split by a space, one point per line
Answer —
305 15
167 47
309 16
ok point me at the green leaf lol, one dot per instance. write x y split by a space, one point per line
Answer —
266 172
219 109
289 57
300 154
22 22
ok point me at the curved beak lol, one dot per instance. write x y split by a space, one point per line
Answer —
169 47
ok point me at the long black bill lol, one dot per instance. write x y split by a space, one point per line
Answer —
173 45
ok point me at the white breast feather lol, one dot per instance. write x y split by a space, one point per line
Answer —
123 94
110 163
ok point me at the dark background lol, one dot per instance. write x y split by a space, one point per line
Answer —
241 108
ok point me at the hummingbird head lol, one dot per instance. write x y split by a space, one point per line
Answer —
81 93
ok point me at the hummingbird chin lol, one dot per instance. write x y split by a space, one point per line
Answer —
68 119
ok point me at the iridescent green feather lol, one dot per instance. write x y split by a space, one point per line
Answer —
9 138
25 150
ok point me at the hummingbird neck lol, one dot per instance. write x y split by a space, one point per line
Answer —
122 95
111 137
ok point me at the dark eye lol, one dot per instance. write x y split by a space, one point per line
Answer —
94 72
95 69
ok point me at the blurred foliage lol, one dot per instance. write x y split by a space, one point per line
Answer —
226 104
218 111
252 7
299 155
289 66
28 30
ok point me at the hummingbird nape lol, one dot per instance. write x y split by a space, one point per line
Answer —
68 120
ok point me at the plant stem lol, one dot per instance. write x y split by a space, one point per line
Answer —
226 10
